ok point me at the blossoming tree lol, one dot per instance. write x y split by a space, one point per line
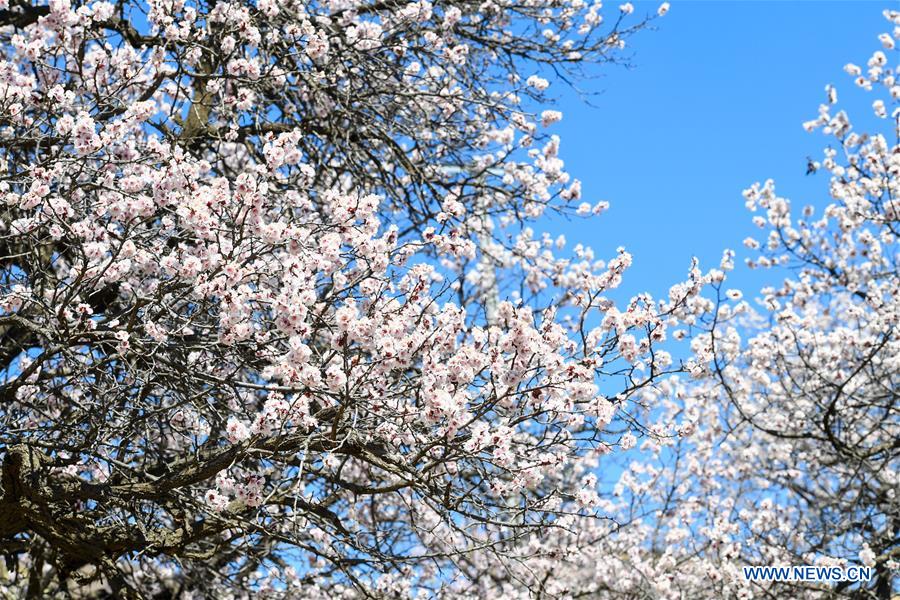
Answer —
788 450
817 389
273 316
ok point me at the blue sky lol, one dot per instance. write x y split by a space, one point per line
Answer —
713 103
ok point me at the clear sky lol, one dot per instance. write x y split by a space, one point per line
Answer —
713 103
